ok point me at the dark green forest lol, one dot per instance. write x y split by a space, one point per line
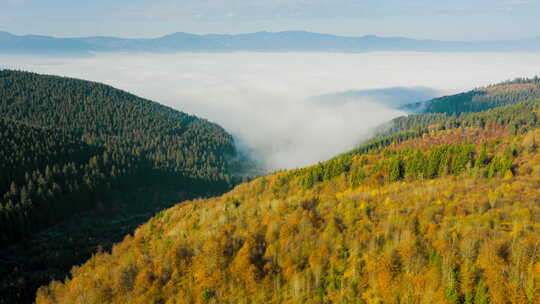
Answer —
71 146
70 142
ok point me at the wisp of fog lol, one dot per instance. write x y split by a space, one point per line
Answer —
290 109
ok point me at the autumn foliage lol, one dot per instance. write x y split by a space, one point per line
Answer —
384 227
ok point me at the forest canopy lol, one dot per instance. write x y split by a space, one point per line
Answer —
69 143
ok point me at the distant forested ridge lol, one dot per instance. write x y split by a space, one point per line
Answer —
515 118
482 99
67 144
511 103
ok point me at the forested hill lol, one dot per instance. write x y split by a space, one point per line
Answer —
449 215
481 99
510 103
112 118
73 147
119 134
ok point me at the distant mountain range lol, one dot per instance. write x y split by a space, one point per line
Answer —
288 41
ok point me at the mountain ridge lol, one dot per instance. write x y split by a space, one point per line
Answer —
263 41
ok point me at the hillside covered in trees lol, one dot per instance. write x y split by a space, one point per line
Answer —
445 212
510 104
71 146
514 118
68 137
505 93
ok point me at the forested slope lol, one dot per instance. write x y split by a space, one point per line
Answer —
505 93
85 139
515 118
449 216
117 120
44 176
72 147
509 103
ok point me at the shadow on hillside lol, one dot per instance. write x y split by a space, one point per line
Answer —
51 254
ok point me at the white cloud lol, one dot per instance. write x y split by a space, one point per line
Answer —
264 98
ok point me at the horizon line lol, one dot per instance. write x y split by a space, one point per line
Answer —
262 32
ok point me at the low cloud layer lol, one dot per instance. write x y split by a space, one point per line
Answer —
290 109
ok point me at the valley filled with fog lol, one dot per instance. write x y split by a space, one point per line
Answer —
290 109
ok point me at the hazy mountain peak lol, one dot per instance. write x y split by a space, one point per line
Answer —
4 34
178 35
284 41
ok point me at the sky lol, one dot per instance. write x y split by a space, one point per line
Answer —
423 19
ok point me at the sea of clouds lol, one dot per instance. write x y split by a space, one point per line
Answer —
290 109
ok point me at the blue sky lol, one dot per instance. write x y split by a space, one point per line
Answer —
436 19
